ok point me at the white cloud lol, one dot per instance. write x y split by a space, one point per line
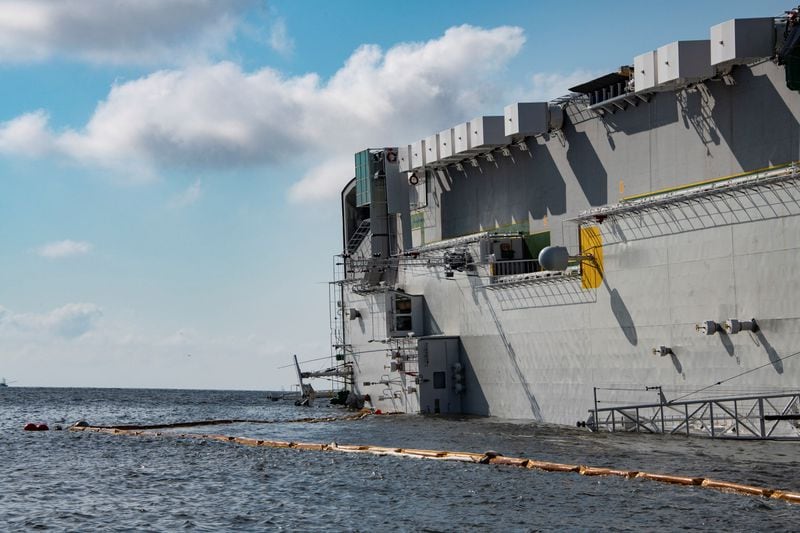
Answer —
217 116
188 196
117 31
79 345
68 322
549 85
26 135
62 249
205 116
325 179
279 39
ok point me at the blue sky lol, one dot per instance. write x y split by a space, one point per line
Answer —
169 169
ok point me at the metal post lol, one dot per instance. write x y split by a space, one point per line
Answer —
761 417
736 416
686 410
613 421
711 417
596 418
638 420
661 401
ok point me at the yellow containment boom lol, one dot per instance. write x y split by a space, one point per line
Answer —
489 457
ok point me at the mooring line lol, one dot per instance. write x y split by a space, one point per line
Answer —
467 457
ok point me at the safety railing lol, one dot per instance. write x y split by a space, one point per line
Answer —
760 417
511 267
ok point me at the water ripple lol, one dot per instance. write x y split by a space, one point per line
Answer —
64 481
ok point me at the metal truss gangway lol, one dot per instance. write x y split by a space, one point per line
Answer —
758 417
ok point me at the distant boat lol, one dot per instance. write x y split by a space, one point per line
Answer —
4 383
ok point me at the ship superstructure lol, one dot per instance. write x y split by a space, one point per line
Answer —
670 187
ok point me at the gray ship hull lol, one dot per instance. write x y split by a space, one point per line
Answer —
551 348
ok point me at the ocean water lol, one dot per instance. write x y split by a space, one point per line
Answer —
66 481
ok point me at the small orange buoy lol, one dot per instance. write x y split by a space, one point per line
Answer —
30 426
42 427
378 412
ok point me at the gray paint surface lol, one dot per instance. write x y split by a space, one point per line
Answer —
536 352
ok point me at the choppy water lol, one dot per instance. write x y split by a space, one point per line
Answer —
88 482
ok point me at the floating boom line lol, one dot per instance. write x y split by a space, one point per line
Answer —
488 457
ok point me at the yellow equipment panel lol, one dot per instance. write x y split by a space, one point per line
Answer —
591 244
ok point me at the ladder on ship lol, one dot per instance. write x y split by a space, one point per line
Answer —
358 236
336 313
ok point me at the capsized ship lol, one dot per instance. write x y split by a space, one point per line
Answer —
624 257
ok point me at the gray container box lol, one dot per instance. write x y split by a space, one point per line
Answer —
404 158
683 62
432 149
463 146
418 155
645 73
740 41
487 133
447 149
526 119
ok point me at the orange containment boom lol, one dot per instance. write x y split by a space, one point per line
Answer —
488 457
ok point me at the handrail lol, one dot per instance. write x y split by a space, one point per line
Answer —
749 417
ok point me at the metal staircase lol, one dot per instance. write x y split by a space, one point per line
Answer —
358 236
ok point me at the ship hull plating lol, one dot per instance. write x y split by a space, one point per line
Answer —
550 350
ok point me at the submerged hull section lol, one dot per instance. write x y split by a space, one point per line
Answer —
612 329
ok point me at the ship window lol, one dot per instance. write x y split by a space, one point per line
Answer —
403 323
506 251
402 313
439 380
402 304
364 171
